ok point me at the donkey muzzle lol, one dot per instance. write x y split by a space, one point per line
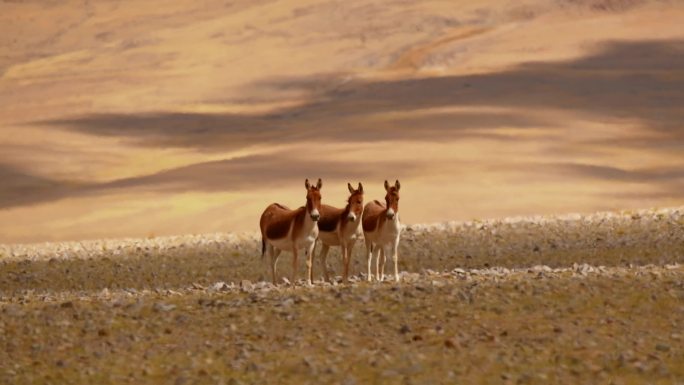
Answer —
390 213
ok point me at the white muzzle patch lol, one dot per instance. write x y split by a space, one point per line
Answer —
315 215
390 213
352 217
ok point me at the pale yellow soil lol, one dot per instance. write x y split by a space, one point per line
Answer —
149 118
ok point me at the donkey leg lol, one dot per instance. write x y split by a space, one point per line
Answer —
395 258
383 259
377 254
273 256
369 256
309 261
294 266
347 261
324 255
343 252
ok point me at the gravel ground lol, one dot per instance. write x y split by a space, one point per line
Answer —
609 239
573 299
542 325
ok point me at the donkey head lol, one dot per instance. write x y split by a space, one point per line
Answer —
392 199
313 199
355 202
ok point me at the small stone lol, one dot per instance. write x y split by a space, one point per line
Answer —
162 307
662 348
220 286
404 329
246 285
287 302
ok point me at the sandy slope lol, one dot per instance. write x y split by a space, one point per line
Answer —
129 119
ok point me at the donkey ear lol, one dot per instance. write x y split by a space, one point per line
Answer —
360 189
397 185
319 184
307 184
351 189
386 185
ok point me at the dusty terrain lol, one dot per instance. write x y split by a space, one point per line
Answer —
619 325
566 299
149 119
124 118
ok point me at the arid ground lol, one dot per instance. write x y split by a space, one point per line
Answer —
175 123
156 118
562 300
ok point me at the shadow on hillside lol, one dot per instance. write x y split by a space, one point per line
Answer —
640 82
635 82
250 172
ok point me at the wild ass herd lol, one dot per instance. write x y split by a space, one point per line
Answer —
283 229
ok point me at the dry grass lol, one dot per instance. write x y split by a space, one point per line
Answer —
610 239
620 325
505 301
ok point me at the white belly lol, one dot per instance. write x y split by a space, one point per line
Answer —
352 233
387 234
282 243
304 241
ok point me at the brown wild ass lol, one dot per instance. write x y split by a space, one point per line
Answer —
341 227
291 230
381 230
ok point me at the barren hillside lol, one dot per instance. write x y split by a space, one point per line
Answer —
137 119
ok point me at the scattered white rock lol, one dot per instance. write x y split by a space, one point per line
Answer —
220 286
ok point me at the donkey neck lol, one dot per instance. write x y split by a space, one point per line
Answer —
344 217
307 224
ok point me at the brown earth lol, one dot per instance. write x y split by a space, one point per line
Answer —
569 299
607 325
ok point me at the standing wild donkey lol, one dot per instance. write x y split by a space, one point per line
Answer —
291 230
341 227
381 230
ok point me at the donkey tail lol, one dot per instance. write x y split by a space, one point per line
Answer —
263 247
